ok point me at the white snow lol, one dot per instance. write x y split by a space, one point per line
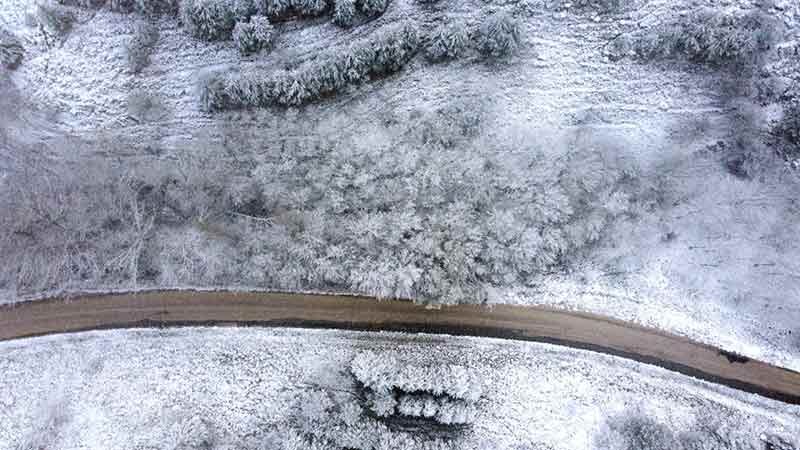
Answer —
724 280
135 388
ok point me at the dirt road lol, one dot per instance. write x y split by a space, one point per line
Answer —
579 330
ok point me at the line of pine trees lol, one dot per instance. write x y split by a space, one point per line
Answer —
382 54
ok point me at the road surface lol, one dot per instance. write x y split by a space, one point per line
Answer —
540 324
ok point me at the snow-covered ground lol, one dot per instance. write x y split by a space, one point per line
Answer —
720 266
253 388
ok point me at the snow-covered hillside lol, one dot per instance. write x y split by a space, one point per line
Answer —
674 236
245 389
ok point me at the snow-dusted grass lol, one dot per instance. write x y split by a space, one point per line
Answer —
251 388
715 261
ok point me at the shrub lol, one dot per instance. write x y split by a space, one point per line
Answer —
440 409
499 36
144 106
279 9
637 432
447 42
598 5
191 433
385 53
634 430
253 36
82 3
146 7
140 46
344 13
383 402
11 50
373 7
709 36
208 19
310 8
56 20
383 372
786 131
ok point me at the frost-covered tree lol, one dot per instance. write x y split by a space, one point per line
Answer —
447 42
344 13
209 19
282 8
709 36
477 220
11 50
441 409
145 7
384 372
311 8
499 35
375 370
373 7
244 9
385 52
254 36
382 402
140 45
276 8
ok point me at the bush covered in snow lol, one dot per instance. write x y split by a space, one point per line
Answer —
499 35
786 131
82 3
145 7
443 393
332 419
382 372
447 42
144 106
708 36
278 9
373 7
209 19
635 430
11 50
253 36
191 433
602 6
384 53
55 21
441 409
344 13
140 45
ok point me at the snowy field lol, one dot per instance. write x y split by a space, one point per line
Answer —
717 261
225 388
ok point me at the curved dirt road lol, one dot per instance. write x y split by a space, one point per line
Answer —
586 331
